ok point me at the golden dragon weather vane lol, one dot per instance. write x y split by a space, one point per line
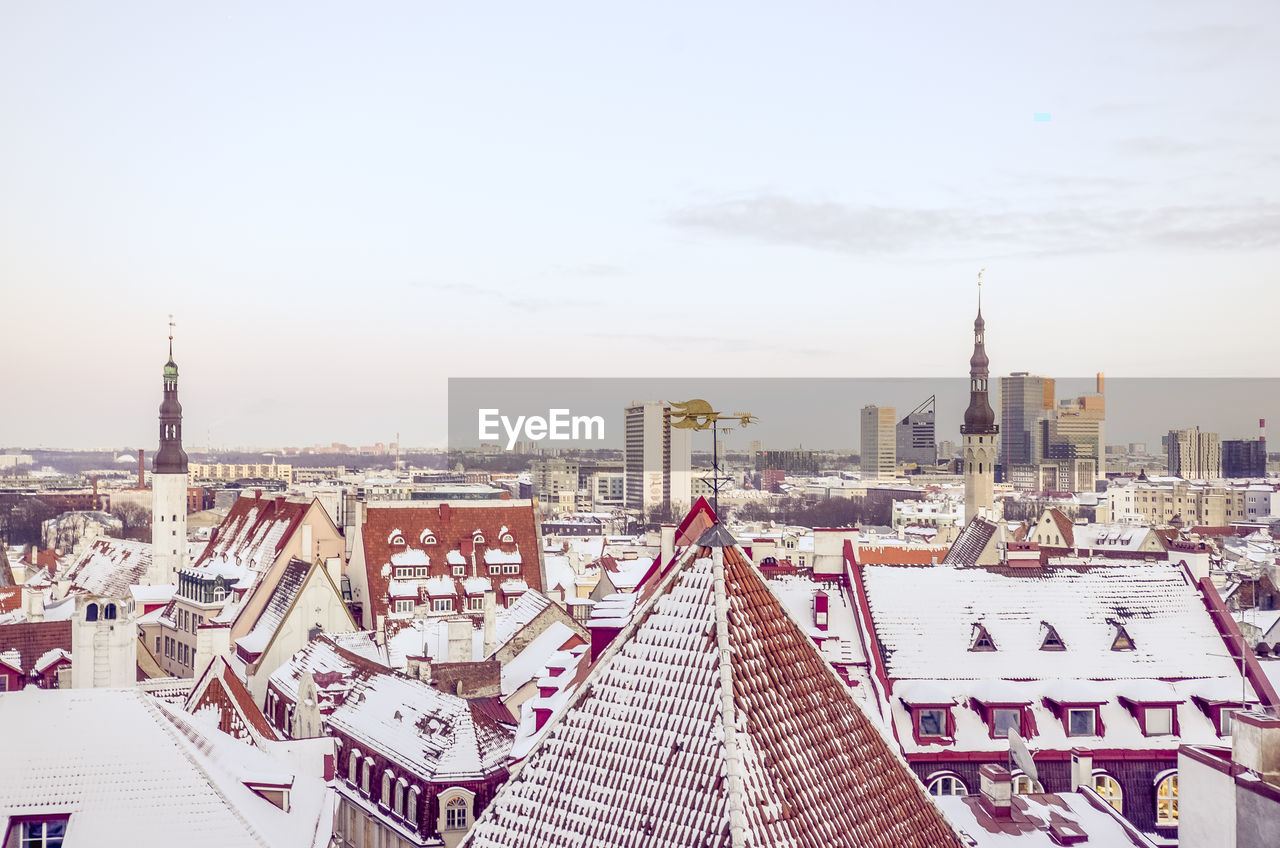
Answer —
697 414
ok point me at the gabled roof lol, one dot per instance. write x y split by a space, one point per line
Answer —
108 567
254 533
713 721
279 602
221 693
1064 526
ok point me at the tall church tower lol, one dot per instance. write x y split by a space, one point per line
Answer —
979 429
169 485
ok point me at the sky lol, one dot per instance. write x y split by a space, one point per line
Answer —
345 205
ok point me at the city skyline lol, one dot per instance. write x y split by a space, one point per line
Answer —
345 210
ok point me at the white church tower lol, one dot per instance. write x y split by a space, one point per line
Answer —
169 485
979 430
104 643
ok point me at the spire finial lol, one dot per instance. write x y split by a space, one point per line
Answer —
979 289
171 334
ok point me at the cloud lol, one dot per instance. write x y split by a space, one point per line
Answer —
721 343
592 269
880 230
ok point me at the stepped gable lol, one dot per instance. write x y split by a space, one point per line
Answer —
713 721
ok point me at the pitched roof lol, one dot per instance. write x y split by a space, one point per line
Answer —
34 639
436 537
254 533
108 567
713 721
279 602
972 541
223 694
118 752
1065 528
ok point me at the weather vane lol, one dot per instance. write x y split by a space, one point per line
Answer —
697 414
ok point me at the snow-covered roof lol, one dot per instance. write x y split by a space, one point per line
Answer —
438 736
108 567
1031 816
283 594
108 782
688 732
495 556
532 660
524 610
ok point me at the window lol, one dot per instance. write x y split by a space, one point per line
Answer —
157 644
411 809
442 604
947 784
1024 785
478 539
1158 720
1224 721
4 683
933 722
403 572
459 570
476 603
1004 719
1052 642
495 569
455 814
386 788
91 612
1167 802
420 571
1081 722
427 537
1109 788
398 806
1122 642
981 639
109 612
404 606
42 834
353 766
366 775
511 568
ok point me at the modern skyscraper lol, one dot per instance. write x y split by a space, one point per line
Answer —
657 460
1025 401
1194 455
915 436
1077 430
169 485
1244 458
878 453
979 430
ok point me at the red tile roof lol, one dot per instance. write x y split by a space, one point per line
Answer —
254 532
223 693
33 639
454 526
654 752
867 555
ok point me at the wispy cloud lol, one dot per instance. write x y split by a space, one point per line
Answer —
879 230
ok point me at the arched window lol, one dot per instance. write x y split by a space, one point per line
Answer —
353 767
109 612
455 814
947 784
401 785
478 538
386 788
91 612
507 538
1167 801
1109 789
1024 785
411 809
366 776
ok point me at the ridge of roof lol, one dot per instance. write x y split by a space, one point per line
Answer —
733 757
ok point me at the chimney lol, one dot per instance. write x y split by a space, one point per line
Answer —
490 624
1102 383
668 533
142 470
460 640
1255 744
1081 769
1262 431
997 789
328 767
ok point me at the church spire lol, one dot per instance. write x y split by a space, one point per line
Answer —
170 458
979 417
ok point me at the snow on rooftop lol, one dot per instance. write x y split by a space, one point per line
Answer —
508 621
455 557
108 567
411 556
1031 816
532 661
494 556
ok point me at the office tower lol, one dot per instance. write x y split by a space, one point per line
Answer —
878 442
1246 457
915 436
656 460
1025 401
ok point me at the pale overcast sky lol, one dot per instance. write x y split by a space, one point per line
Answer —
346 204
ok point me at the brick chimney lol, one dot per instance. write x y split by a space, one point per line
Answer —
142 470
997 790
1255 743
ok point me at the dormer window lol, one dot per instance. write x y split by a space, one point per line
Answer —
1122 641
397 539
1082 721
478 538
981 639
427 537
1157 721
507 538
1052 641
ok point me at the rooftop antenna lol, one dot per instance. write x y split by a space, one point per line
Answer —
697 414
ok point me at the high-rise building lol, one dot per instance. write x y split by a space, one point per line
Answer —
1193 454
879 443
1245 457
169 486
915 436
794 462
657 460
1025 401
979 430
1077 430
